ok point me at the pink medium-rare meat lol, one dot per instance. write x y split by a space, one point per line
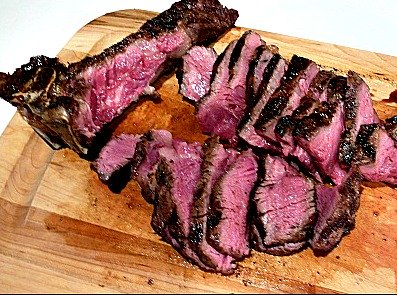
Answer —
220 112
117 159
195 76
376 154
216 162
176 177
228 215
285 209
69 105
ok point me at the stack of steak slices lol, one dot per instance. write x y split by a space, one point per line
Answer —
200 192
311 118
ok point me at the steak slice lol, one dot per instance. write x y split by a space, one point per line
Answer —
358 109
317 92
221 110
286 98
337 207
69 105
269 82
195 76
149 146
256 70
227 221
284 207
376 154
116 161
215 163
319 133
177 175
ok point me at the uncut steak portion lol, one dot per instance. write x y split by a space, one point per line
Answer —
177 175
227 222
220 111
215 163
337 207
284 208
116 161
195 75
376 154
69 105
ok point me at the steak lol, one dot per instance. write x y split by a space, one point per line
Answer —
177 175
337 207
116 161
195 76
286 98
284 208
257 99
358 109
319 133
221 110
149 146
215 163
70 105
376 154
227 221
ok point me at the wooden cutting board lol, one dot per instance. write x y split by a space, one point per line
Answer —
62 230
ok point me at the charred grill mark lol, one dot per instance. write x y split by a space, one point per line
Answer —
253 100
235 56
366 143
279 100
321 116
250 92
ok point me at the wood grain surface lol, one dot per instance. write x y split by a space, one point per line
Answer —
62 230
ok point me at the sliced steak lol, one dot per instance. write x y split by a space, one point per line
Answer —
286 98
195 76
227 222
319 133
222 109
256 70
177 175
215 163
149 147
358 109
117 159
337 207
317 93
269 82
376 154
68 105
284 207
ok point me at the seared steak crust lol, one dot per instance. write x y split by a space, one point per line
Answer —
337 207
391 127
358 109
